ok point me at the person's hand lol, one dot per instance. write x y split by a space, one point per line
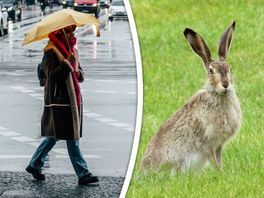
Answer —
71 58
80 75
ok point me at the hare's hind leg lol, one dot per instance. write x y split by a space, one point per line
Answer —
145 163
150 161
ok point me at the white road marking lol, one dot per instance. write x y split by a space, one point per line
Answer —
26 91
112 92
131 93
9 133
35 81
104 119
11 73
35 144
23 139
130 82
14 156
62 151
2 128
17 87
113 81
36 95
85 156
88 156
119 124
92 115
85 111
102 91
132 129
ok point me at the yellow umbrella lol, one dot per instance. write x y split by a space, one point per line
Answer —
56 21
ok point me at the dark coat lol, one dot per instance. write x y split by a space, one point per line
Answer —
61 118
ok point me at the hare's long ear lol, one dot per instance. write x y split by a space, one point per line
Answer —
225 41
199 46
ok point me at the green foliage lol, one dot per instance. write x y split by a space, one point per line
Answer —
172 73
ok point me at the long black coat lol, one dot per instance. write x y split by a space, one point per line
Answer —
61 118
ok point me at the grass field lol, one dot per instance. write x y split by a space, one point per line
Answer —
172 73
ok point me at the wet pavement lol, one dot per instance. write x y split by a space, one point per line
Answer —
21 185
110 101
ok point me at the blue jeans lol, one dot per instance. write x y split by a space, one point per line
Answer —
78 162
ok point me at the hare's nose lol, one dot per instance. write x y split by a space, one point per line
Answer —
225 85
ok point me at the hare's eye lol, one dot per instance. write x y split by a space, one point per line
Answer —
211 71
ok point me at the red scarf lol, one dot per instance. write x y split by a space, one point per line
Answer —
61 45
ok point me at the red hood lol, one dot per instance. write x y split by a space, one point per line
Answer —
86 1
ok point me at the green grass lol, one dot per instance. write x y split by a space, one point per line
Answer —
172 73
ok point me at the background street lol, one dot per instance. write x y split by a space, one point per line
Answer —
109 96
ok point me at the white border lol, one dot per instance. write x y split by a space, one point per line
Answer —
139 99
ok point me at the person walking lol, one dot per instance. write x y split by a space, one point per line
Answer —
62 114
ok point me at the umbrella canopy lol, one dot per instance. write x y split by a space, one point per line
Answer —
56 21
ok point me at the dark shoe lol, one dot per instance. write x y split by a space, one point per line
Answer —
35 173
88 179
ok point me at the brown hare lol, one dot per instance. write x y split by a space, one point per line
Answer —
197 132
